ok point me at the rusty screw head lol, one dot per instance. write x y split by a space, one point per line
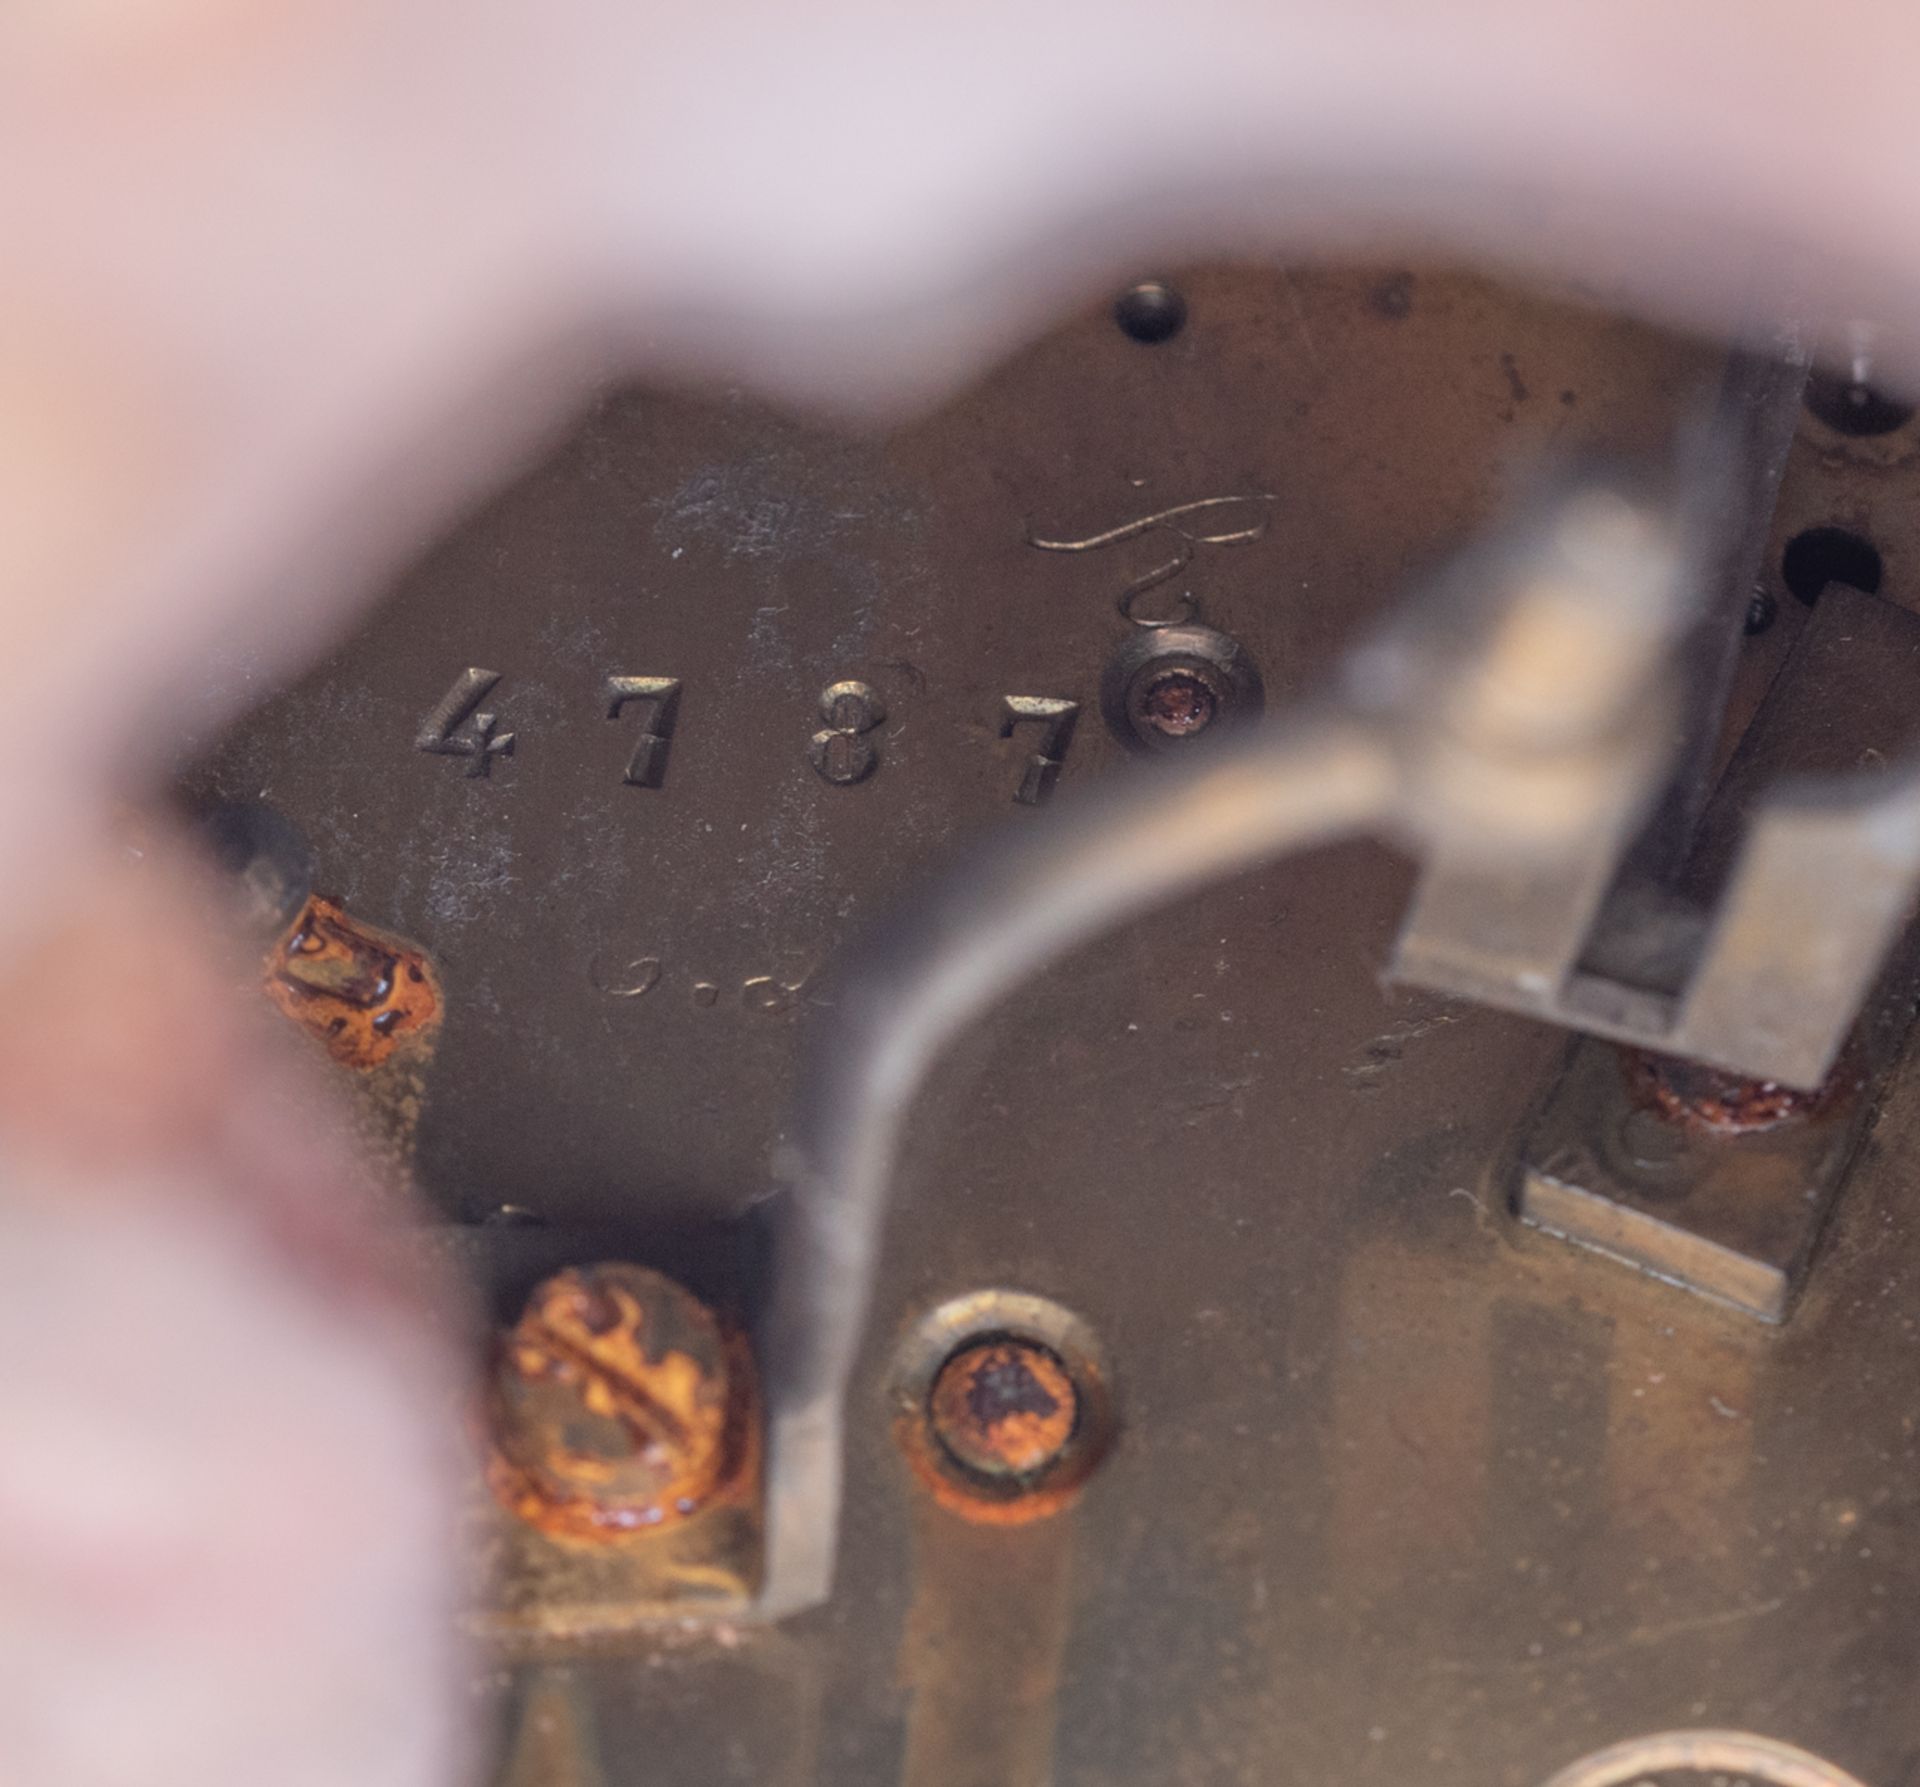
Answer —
1004 1408
610 1405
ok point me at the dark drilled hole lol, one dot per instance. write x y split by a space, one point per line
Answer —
1849 406
1824 555
1151 311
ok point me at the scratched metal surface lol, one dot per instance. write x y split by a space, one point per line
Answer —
1401 1491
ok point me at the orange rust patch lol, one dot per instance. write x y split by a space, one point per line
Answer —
619 1407
1708 1098
359 992
1005 1408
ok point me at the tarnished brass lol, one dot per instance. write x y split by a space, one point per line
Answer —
1405 1490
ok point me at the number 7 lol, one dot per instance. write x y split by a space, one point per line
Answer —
647 767
1056 719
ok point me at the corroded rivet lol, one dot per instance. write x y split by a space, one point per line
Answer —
1004 1408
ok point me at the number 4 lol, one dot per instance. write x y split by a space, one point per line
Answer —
454 729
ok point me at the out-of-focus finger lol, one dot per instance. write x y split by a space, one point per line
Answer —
233 1413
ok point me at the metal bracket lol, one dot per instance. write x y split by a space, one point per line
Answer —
1770 983
1733 1214
1727 1195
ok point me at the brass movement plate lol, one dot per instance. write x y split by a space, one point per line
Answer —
1400 1490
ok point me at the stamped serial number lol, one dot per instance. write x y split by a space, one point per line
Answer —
844 749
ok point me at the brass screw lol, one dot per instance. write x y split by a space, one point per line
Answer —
1004 1408
610 1405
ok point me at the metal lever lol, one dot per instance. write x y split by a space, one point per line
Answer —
1768 985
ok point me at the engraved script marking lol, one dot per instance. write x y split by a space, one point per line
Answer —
455 729
633 980
1056 719
762 993
759 995
1258 509
647 767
